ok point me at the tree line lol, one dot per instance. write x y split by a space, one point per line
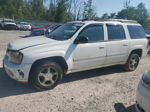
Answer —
67 10
138 13
57 11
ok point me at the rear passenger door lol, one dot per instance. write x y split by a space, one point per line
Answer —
117 46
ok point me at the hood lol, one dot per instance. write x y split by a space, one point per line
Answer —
30 42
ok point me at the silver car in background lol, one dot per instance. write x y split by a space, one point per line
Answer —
143 94
23 26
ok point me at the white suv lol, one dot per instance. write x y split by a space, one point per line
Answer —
75 46
8 24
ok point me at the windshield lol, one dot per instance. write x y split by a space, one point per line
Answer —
66 31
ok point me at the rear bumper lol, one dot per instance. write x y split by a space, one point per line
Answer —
17 72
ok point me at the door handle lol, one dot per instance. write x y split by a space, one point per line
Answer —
101 47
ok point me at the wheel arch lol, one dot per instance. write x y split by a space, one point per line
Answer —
138 51
60 60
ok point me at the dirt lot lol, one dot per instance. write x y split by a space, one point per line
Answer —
101 90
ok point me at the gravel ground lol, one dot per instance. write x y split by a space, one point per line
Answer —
101 90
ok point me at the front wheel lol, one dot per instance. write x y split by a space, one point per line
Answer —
132 62
46 75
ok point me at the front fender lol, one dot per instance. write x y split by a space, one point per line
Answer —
29 59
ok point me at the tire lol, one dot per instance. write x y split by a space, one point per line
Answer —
132 62
46 75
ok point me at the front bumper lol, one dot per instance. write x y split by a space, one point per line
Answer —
17 72
10 27
143 98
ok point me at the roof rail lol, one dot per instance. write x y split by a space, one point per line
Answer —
115 20
120 20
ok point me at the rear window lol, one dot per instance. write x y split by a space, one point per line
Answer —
136 31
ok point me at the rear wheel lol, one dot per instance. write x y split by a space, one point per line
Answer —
46 75
132 62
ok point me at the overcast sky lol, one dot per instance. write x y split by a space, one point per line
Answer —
110 6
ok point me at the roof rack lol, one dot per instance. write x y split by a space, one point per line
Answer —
115 20
123 20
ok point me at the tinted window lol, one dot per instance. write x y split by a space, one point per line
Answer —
115 32
65 31
94 33
136 31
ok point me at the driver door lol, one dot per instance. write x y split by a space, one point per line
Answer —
93 53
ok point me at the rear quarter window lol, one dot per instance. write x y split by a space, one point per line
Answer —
136 32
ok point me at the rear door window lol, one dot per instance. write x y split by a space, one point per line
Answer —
115 32
136 31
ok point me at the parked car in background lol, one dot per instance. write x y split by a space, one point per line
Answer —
147 31
47 25
51 28
143 94
148 37
75 46
43 31
1 23
8 24
38 26
37 32
23 26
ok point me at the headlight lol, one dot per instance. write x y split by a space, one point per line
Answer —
15 56
146 78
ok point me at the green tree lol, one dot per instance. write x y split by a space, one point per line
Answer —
142 14
139 13
38 9
58 11
112 15
61 11
51 13
130 13
105 16
89 11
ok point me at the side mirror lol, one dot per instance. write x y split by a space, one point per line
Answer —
81 39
